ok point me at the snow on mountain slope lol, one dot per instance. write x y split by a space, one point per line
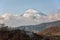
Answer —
31 13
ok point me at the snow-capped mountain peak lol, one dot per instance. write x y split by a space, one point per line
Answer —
31 12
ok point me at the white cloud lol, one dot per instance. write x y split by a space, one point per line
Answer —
53 17
15 20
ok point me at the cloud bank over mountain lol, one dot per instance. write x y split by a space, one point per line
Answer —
30 17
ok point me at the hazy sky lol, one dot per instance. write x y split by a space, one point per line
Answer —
19 6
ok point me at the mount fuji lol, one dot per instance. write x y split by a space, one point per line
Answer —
30 17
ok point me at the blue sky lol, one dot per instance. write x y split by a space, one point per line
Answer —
19 6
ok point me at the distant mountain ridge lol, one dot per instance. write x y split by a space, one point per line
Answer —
40 27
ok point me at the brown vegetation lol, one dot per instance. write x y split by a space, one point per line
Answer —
54 30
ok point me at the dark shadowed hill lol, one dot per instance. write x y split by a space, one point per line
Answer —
17 34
